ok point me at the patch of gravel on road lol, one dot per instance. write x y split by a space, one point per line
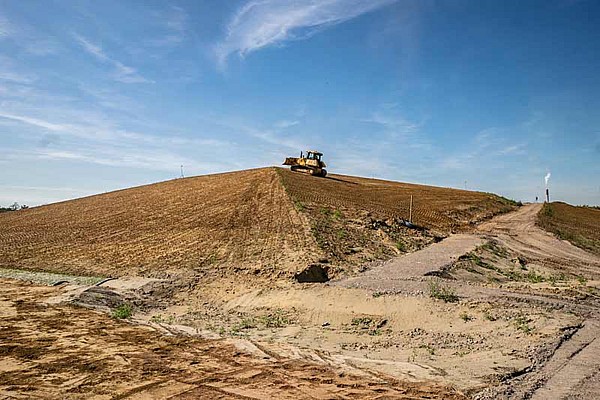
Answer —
47 278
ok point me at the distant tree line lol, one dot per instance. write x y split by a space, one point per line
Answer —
13 207
593 207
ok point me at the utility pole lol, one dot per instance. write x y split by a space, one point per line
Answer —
182 170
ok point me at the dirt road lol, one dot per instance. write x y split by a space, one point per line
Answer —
518 231
392 276
574 367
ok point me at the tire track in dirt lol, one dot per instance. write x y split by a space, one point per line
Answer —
574 361
518 231
67 352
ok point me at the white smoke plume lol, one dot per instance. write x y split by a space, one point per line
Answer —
547 178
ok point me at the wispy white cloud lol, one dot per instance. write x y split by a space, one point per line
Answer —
122 73
394 124
516 149
5 27
283 124
487 145
92 48
44 188
90 139
35 122
16 77
41 47
10 72
36 195
152 159
28 38
262 23
110 98
86 126
174 21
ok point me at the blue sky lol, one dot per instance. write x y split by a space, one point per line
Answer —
102 95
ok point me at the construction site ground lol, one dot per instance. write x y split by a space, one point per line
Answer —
501 309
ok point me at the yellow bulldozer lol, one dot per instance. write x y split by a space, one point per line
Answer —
309 164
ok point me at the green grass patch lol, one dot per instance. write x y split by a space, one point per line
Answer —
489 316
428 348
123 311
401 246
299 205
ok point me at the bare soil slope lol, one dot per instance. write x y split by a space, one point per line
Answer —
578 225
243 217
265 222
357 220
444 209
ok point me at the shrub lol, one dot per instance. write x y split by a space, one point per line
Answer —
522 324
123 311
466 317
440 292
337 214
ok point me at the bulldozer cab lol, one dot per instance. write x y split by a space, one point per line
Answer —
314 155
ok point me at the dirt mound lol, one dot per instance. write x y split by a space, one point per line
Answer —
578 225
444 209
356 221
242 218
267 222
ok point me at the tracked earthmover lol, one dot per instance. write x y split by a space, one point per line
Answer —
309 164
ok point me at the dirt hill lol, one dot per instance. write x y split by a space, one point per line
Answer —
578 225
267 222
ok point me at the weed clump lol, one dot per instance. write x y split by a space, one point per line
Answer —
276 319
430 349
123 311
401 246
445 293
160 319
337 214
489 316
522 324
534 278
299 205
466 317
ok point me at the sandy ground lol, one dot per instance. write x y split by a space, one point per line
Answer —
492 343
67 352
377 334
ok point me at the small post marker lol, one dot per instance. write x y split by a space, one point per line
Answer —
410 210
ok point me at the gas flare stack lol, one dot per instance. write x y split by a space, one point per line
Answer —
546 179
